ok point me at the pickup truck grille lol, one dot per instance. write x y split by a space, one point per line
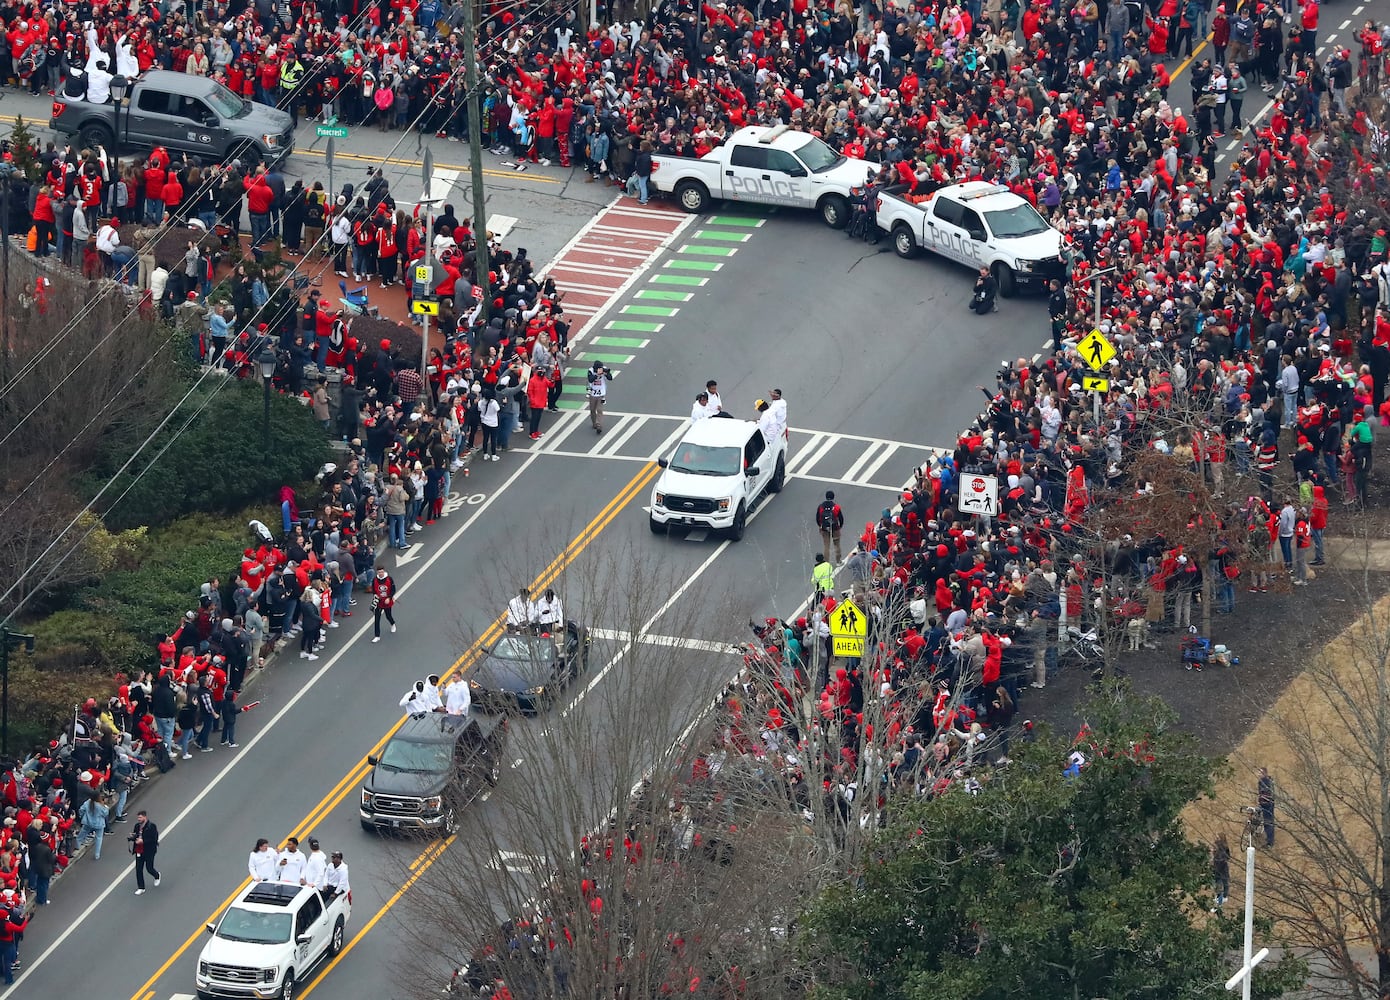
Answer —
689 505
234 974
395 805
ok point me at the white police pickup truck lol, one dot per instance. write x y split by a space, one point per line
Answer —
767 166
977 224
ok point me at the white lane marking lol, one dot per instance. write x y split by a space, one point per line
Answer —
1347 23
868 473
123 879
433 197
618 442
804 458
501 225
570 420
673 641
862 460
830 442
602 249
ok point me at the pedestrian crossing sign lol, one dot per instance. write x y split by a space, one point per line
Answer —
422 307
1095 350
848 629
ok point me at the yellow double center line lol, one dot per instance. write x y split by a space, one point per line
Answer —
340 791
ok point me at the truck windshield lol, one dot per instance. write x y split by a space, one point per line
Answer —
1021 220
225 103
817 155
255 927
703 460
417 758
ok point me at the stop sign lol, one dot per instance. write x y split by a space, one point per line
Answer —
977 484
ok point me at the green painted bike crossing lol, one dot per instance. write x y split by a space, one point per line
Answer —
667 290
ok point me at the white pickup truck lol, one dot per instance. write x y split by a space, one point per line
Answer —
767 166
269 940
977 224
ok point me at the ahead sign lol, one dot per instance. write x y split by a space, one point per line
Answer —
979 495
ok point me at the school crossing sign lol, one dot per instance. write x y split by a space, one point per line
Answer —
848 629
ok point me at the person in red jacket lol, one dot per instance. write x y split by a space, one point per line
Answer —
383 589
1317 523
154 191
260 199
387 250
172 194
994 655
538 395
45 222
12 925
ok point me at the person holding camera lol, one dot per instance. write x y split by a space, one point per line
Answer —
598 377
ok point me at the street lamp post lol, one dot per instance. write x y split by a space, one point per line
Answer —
266 359
10 638
119 86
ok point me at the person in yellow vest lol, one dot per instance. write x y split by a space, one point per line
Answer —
291 75
822 576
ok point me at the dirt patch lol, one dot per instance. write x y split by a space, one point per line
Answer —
1272 633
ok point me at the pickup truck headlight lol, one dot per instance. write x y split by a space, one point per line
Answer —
434 802
659 498
1027 265
538 689
724 503
203 969
474 685
270 140
271 974
366 799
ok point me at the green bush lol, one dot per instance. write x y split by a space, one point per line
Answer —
41 703
218 464
150 599
79 642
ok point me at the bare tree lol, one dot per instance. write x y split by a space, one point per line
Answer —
1328 880
630 849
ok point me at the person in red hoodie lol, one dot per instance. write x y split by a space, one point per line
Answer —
537 395
1317 523
172 193
154 191
45 222
260 198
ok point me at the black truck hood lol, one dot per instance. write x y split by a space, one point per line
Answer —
386 781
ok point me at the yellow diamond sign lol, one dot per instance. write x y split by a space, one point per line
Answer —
1095 350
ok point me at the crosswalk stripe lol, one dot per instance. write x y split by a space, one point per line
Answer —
704 251
664 296
722 234
678 279
803 457
692 265
860 461
664 311
635 325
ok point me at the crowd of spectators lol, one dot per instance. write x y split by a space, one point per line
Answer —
1245 299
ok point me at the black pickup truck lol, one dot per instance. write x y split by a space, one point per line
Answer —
183 113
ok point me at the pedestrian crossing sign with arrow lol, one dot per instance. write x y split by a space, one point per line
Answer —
1095 350
848 629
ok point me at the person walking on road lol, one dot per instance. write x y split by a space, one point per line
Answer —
94 813
144 844
1264 794
830 519
598 377
383 601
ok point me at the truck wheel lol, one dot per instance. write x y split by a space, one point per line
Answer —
450 825
903 243
657 527
287 989
335 943
93 136
246 154
740 522
369 826
834 209
1004 275
692 196
779 476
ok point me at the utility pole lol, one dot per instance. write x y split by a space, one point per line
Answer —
475 153
9 638
1246 972
1094 279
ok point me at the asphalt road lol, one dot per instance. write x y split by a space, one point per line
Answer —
879 359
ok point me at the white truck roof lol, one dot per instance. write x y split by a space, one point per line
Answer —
982 196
